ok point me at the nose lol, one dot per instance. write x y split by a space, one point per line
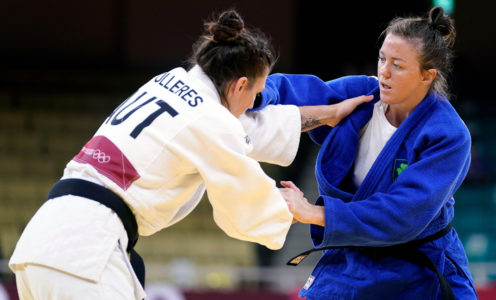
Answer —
383 70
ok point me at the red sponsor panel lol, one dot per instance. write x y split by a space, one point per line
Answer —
108 160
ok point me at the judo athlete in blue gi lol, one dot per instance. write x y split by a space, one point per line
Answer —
387 173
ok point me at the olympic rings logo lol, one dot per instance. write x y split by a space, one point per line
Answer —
97 154
101 156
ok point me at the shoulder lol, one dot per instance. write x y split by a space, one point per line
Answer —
217 121
211 132
444 125
445 116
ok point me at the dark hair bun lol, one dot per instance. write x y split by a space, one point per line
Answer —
443 24
435 14
228 26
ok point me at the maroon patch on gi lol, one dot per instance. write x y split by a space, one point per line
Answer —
108 160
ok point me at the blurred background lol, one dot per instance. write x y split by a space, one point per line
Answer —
65 65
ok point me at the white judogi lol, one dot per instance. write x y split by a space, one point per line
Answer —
159 151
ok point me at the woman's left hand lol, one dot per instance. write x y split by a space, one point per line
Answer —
301 209
346 107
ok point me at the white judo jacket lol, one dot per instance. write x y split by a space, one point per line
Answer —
160 150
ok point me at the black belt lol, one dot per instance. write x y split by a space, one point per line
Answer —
408 251
96 192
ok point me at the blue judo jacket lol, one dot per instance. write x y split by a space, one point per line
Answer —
406 195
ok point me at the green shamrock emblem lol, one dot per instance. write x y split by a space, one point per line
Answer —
401 168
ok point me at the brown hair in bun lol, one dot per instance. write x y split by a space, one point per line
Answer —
228 51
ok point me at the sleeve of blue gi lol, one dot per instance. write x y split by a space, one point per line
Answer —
302 90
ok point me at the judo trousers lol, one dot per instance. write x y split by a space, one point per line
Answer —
36 282
42 282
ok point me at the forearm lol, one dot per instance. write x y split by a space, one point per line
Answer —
315 215
318 115
307 213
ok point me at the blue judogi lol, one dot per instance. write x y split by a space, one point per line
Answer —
406 195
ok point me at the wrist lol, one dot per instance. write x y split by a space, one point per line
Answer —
329 115
318 115
316 215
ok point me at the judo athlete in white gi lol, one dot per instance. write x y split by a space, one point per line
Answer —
151 161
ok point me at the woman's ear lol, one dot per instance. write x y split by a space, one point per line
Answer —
428 76
239 85
235 88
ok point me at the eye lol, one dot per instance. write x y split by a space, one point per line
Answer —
381 59
396 65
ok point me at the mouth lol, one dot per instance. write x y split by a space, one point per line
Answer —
384 86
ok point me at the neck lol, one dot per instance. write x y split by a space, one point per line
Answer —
396 116
398 112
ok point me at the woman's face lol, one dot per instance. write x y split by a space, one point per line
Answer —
401 81
242 93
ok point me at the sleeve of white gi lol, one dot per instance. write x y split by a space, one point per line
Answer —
274 133
246 203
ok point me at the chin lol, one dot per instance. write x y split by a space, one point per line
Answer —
386 98
383 97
